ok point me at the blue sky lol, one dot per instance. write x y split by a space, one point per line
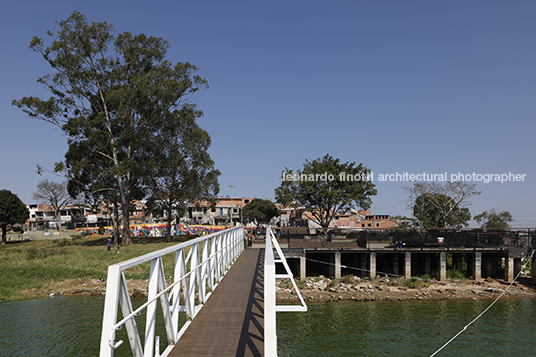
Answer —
401 86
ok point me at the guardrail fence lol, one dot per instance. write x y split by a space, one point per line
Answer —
270 307
200 265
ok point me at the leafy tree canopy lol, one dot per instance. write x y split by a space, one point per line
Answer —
12 211
430 213
494 219
116 97
183 171
325 186
260 211
442 206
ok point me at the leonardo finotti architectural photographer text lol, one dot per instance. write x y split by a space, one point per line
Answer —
407 177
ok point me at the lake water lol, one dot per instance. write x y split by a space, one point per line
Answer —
71 326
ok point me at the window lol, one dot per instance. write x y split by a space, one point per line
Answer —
246 201
213 210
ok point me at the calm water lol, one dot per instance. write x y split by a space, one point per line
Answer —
409 328
70 326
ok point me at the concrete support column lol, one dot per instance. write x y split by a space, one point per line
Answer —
372 265
337 265
534 268
407 265
517 266
427 263
477 266
395 264
303 268
442 266
509 269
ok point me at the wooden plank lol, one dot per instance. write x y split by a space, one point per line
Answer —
232 321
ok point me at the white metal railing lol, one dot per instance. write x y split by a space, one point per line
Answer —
207 261
270 307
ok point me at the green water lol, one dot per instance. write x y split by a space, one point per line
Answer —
71 326
409 328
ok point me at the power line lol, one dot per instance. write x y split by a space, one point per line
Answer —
425 280
483 312
398 204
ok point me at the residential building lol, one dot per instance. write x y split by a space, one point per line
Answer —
220 213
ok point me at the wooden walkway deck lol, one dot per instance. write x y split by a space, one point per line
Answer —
232 321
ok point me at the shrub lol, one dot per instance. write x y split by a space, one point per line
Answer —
455 274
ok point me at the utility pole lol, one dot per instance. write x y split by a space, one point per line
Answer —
231 212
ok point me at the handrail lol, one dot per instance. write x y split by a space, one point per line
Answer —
209 258
270 307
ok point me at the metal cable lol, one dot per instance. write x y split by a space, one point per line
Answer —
483 312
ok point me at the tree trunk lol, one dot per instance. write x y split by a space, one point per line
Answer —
4 234
125 207
115 222
127 240
169 220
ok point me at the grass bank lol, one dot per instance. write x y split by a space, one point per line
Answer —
34 269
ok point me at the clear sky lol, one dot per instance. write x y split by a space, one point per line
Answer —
401 86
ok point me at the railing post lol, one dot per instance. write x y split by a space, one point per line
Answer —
179 272
204 272
219 252
270 337
110 309
212 263
190 294
148 350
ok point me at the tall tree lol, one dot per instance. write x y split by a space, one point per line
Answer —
494 219
430 210
112 96
53 194
260 211
442 206
182 170
12 211
325 186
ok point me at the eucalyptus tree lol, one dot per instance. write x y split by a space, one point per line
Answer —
182 170
325 186
111 95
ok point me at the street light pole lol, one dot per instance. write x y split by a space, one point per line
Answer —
231 214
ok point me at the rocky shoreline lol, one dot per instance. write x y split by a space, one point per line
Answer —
365 289
347 288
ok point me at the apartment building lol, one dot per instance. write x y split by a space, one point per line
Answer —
44 216
220 213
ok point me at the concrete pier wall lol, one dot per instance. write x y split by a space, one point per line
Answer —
476 264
